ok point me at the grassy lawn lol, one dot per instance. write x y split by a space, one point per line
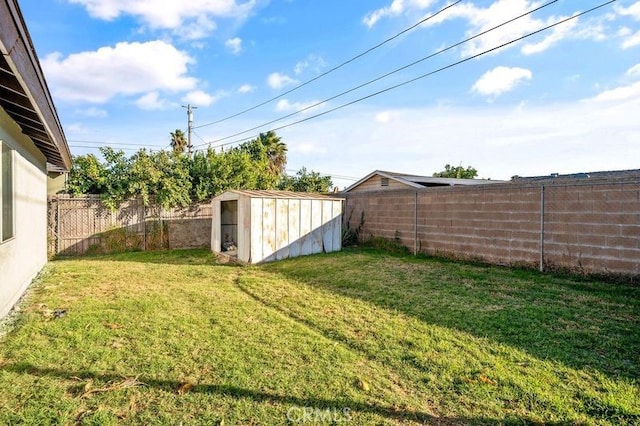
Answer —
358 337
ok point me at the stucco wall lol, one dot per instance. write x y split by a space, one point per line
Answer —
22 257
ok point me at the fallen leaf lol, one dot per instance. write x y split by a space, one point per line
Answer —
184 388
364 385
116 344
484 379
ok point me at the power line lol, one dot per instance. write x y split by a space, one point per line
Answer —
439 52
110 143
199 137
430 73
97 147
327 174
337 67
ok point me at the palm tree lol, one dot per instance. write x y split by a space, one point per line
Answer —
178 141
276 151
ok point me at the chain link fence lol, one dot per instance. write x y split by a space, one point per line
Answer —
83 225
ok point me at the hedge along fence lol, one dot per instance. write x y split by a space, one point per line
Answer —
83 225
590 227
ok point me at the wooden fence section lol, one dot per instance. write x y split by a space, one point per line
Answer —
79 225
587 227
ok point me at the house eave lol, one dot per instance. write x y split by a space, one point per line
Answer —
24 93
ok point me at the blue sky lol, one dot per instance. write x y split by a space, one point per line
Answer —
564 100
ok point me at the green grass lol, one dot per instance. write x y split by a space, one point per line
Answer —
360 337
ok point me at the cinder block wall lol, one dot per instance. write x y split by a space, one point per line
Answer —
587 228
189 233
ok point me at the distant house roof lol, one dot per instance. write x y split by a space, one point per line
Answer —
419 182
612 174
24 94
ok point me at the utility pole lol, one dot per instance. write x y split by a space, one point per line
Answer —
189 126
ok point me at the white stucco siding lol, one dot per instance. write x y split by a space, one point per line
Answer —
24 255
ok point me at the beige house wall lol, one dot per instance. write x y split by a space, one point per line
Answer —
56 183
23 256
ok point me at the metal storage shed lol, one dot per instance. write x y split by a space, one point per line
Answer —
263 226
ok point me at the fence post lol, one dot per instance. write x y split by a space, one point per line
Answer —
144 227
415 225
542 228
57 249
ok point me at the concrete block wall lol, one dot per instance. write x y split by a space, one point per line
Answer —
587 228
189 233
594 228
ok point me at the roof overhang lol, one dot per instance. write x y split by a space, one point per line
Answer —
421 182
24 94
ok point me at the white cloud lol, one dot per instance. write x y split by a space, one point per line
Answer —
76 129
558 34
501 80
200 98
482 19
197 29
623 93
314 62
385 117
151 101
632 11
284 105
309 148
93 112
631 41
634 71
499 141
126 69
278 81
624 31
397 7
234 45
194 16
246 88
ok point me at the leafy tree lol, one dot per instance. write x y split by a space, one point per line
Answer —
173 189
213 173
178 141
458 172
269 154
305 181
115 186
161 175
168 179
276 151
87 175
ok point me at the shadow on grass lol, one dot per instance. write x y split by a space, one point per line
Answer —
582 323
253 395
161 257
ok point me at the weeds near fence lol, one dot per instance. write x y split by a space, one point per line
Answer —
351 236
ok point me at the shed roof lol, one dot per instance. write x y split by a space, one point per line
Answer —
417 181
24 94
277 194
